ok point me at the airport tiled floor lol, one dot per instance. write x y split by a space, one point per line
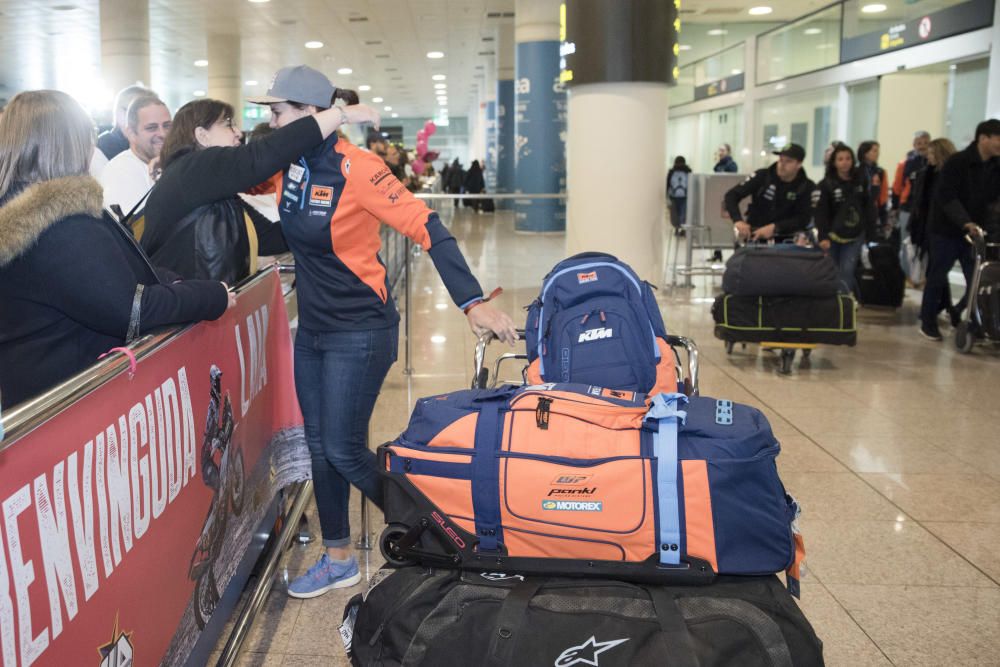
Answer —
892 448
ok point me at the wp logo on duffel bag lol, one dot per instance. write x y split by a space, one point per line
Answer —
588 298
586 653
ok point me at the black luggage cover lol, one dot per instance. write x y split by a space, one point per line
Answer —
780 270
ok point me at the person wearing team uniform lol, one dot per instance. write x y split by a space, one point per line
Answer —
782 199
331 201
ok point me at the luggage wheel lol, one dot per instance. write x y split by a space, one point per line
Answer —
391 541
729 346
787 357
398 545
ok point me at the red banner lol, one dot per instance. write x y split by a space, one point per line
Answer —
125 516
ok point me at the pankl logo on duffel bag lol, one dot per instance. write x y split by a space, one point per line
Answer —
594 334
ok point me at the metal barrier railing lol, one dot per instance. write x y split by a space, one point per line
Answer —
25 417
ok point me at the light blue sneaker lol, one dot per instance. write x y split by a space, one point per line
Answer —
325 575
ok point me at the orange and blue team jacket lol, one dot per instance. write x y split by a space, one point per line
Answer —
331 204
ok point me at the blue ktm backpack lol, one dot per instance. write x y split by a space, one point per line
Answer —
596 322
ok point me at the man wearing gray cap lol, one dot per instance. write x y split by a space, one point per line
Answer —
782 199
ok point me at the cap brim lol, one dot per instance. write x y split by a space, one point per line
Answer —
266 99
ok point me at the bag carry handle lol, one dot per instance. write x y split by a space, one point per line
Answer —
674 631
513 611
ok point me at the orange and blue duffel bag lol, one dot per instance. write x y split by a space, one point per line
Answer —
596 322
574 479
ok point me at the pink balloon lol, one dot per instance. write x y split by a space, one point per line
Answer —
421 147
421 135
418 166
430 128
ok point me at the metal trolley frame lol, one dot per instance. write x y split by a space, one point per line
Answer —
687 372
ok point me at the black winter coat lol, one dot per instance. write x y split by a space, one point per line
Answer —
922 209
968 190
73 284
787 205
844 211
196 225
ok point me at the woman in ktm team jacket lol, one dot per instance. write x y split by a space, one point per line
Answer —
845 213
195 224
331 201
73 282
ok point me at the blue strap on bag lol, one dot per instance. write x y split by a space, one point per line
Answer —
486 473
664 410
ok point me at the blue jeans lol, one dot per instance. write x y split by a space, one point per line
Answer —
680 208
338 376
944 251
845 256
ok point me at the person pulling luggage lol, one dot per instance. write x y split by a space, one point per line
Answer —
781 204
845 213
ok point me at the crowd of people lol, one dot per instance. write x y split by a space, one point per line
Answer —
152 223
88 265
939 195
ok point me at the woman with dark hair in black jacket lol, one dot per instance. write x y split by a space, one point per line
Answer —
195 224
73 282
845 213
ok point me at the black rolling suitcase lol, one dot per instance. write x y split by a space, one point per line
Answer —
417 616
881 281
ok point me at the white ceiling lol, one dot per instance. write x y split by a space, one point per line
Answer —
56 43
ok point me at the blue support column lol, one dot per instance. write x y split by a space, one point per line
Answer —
505 139
540 140
491 146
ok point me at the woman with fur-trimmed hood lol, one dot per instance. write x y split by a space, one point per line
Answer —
73 283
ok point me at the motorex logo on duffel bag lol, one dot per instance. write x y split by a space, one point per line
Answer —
595 322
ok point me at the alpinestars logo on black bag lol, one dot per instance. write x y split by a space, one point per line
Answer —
586 653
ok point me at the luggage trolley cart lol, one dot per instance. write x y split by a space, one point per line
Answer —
981 320
687 373
786 325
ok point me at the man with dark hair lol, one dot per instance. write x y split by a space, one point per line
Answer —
782 199
376 143
114 141
967 198
126 179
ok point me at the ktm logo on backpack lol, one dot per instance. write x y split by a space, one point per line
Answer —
586 277
594 334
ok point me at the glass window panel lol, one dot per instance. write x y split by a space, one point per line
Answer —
715 68
966 100
719 66
808 44
683 92
808 119
862 112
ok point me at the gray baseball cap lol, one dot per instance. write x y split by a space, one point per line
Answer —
300 84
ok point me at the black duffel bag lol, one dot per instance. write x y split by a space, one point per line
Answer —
418 616
783 269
